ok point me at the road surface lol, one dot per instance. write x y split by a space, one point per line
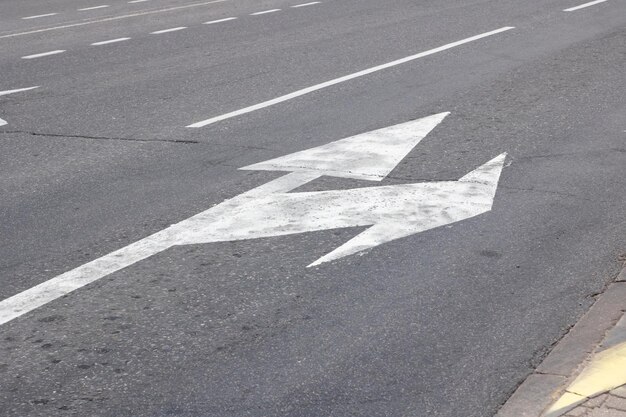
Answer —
143 114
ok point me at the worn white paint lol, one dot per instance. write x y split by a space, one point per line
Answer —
58 51
306 4
368 156
227 19
272 209
265 12
18 90
585 5
110 41
159 32
343 79
39 16
103 6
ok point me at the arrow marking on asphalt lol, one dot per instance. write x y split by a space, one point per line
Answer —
390 212
7 92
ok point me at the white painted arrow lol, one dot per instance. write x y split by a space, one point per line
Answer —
391 212
7 92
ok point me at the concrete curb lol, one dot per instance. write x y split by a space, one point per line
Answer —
570 356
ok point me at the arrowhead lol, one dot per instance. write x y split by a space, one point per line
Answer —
477 201
368 156
2 122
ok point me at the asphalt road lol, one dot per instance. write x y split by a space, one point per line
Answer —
446 322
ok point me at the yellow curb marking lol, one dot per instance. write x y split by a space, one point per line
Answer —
605 372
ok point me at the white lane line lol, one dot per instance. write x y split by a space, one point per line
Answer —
582 6
60 51
109 19
137 1
306 4
109 41
345 78
18 90
39 15
93 8
158 32
219 20
265 12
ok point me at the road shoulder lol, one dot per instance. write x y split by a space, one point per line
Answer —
582 375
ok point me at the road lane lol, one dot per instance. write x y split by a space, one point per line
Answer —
185 64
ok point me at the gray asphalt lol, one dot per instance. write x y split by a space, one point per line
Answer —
443 323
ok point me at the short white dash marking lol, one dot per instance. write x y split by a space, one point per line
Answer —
93 8
265 12
109 41
158 32
219 20
59 51
137 1
345 78
112 18
582 6
39 15
306 4
18 90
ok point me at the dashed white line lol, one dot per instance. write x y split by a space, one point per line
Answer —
345 78
59 51
306 4
582 6
93 8
219 20
109 41
265 12
158 32
137 1
110 19
39 15
18 90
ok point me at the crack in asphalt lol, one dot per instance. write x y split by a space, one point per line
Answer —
60 135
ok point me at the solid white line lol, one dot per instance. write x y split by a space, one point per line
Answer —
18 90
306 4
345 78
60 51
582 6
93 8
109 41
158 32
109 19
219 20
264 12
39 15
